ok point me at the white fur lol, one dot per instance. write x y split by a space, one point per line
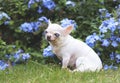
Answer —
73 52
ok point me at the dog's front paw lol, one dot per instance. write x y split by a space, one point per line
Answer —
66 69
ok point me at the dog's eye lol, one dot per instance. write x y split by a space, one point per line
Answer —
45 32
57 34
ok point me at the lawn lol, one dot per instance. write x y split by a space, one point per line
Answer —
35 72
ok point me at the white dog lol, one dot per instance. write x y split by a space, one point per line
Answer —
70 51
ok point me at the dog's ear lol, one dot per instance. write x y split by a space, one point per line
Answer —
68 30
49 22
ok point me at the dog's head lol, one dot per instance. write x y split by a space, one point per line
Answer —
55 32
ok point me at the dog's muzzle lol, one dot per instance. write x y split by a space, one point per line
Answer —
49 38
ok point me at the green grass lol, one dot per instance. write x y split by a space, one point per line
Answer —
49 73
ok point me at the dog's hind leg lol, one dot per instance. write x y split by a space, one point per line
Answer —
83 65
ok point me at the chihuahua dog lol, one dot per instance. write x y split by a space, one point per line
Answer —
72 52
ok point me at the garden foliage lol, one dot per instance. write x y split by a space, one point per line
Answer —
22 23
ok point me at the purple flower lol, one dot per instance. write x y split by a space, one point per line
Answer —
113 67
112 56
106 67
117 58
104 13
43 19
66 22
105 43
103 29
96 37
30 27
19 55
16 56
113 37
112 25
102 10
25 56
4 18
114 44
49 4
91 39
19 51
108 24
118 39
26 27
35 26
70 3
48 52
108 15
30 3
3 65
7 22
39 10
4 15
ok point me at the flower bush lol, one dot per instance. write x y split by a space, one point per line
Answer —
33 26
12 54
106 42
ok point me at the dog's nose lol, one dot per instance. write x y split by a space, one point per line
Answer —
48 38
